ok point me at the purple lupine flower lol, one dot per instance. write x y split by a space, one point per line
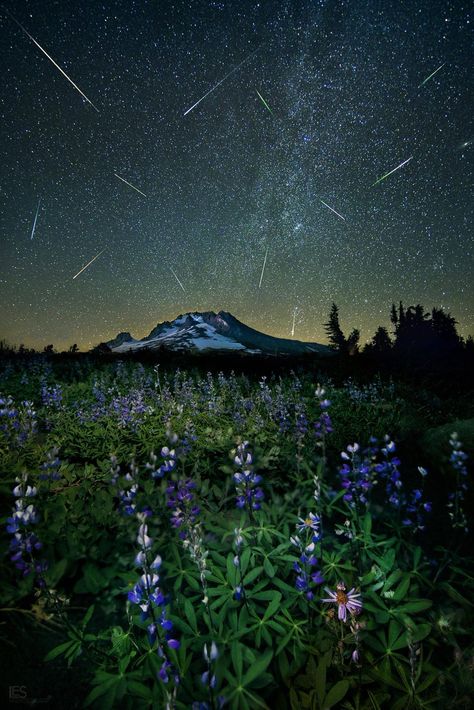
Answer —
458 460
356 475
345 601
52 396
180 496
415 507
51 466
127 496
24 542
323 425
249 493
114 469
168 462
307 576
208 678
388 471
149 597
18 423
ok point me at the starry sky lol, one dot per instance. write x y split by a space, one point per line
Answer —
310 102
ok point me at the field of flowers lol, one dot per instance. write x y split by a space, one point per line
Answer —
183 540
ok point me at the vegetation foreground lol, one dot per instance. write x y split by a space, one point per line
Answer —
173 540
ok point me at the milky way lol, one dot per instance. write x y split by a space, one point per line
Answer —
327 97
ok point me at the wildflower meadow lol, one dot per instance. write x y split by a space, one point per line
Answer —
181 539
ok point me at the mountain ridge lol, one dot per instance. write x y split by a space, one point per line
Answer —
209 331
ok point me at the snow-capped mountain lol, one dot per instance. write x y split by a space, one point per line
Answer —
208 331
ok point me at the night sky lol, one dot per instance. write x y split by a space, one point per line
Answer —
240 175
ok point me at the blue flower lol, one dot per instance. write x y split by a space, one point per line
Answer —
249 493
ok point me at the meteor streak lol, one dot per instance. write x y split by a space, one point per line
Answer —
432 74
36 217
333 210
88 264
392 171
263 101
130 184
213 88
52 60
293 326
263 268
177 279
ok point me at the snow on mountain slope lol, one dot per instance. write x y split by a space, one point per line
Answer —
209 331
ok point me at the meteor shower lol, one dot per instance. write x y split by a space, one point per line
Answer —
237 354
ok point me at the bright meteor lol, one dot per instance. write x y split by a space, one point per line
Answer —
177 279
432 74
88 264
52 61
392 171
36 217
213 88
263 101
294 321
130 184
333 210
263 268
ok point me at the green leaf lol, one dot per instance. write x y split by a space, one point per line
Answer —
58 650
414 606
252 575
245 559
320 677
392 579
420 632
402 589
139 689
336 694
266 595
284 666
273 606
88 616
268 567
260 666
93 580
276 627
455 595
394 631
231 570
56 572
237 660
284 642
190 615
400 642
388 560
105 688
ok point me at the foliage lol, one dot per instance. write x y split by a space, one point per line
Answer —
200 541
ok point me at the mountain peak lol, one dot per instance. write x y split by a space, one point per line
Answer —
209 331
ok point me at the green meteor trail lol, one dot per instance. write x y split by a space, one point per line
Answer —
432 74
264 102
391 171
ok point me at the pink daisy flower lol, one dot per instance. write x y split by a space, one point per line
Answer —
345 601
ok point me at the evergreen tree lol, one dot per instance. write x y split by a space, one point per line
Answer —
394 315
352 343
444 326
334 331
381 342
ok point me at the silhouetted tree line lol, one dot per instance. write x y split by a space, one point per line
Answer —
419 342
418 337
